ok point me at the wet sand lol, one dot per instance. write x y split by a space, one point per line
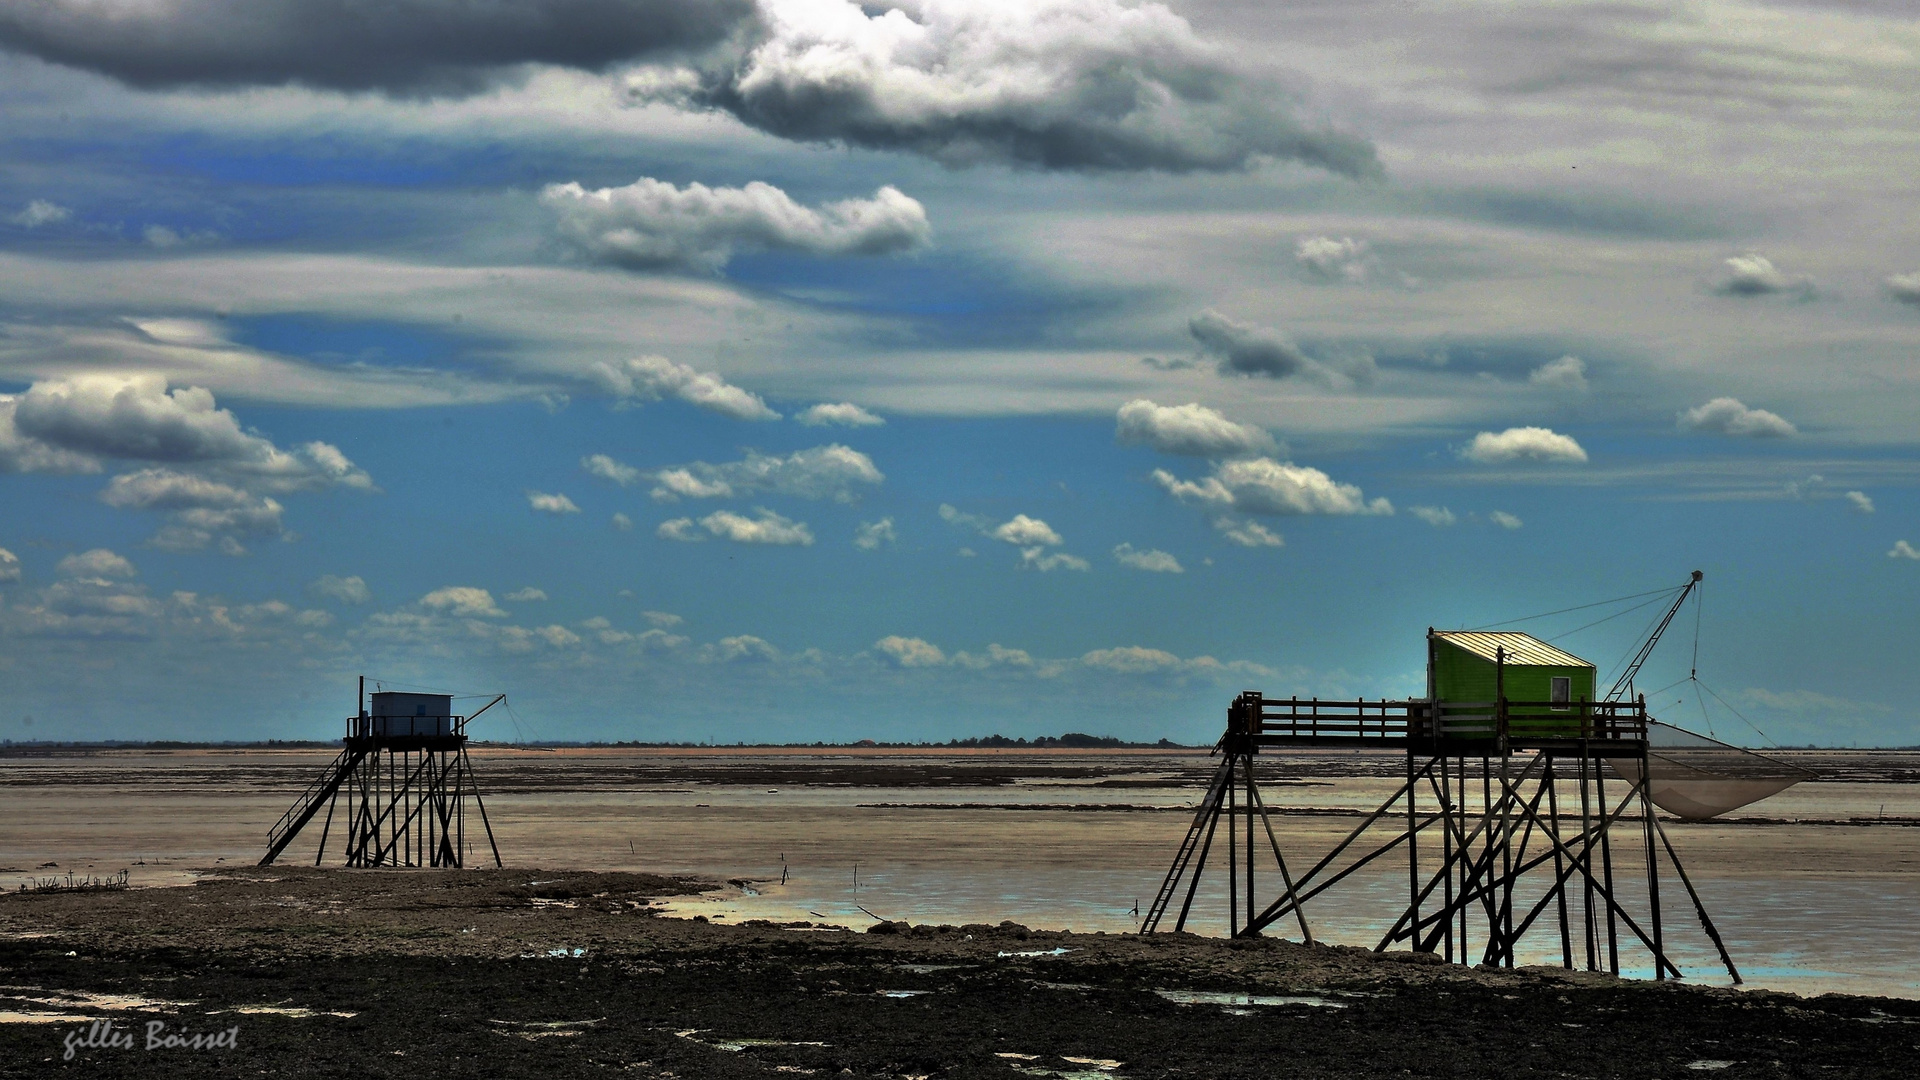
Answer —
1813 888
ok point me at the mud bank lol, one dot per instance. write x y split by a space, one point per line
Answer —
536 974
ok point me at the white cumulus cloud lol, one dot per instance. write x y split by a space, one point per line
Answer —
651 378
1505 520
1437 516
910 651
1524 444
681 529
201 512
1152 560
823 472
9 566
40 212
1250 534
527 595
1191 429
1753 274
765 527
870 535
1328 259
1039 558
1024 531
1860 501
1566 373
347 590
136 417
842 414
606 468
1903 550
96 563
651 223
551 504
1265 486
1728 416
462 601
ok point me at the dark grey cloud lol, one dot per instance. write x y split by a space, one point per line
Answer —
1754 274
396 46
1905 288
1247 349
1058 84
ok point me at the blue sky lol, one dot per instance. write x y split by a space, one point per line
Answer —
794 370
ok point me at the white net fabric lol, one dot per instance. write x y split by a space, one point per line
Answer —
1694 777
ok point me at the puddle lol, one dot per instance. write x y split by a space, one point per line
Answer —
1086 1068
297 1012
1709 1065
928 969
1230 999
738 1045
902 993
10 1017
81 999
1038 952
533 1030
555 954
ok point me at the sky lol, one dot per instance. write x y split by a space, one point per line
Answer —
800 370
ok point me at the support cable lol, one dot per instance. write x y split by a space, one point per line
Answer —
1578 607
1610 618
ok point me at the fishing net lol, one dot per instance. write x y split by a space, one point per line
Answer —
1695 778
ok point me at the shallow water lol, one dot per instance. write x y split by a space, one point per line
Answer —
1819 903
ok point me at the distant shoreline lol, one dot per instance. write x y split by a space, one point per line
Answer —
1044 743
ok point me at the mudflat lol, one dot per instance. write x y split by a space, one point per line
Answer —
535 973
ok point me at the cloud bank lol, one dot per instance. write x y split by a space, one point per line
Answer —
1056 84
396 46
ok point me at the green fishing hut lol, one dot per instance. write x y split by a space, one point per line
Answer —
1467 670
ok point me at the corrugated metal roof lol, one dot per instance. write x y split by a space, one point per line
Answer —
1522 649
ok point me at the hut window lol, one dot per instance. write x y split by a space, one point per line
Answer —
1562 691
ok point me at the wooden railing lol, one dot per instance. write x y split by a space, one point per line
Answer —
1256 716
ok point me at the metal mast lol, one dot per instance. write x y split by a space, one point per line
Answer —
1625 682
